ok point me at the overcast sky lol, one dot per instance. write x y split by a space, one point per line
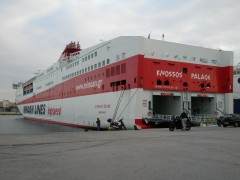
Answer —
33 34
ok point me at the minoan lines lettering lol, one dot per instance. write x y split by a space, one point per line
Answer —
35 109
89 85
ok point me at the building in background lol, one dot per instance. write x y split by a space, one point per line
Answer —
7 106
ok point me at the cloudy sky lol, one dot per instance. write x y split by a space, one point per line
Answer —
34 33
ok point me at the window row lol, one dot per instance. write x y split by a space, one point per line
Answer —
49 83
184 57
45 77
116 70
89 56
72 65
87 69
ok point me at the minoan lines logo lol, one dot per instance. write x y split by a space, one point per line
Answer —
35 109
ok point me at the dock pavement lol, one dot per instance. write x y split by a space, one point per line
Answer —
202 153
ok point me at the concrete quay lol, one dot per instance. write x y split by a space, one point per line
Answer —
200 154
10 113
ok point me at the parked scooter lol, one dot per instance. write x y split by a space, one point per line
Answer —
220 121
116 125
177 123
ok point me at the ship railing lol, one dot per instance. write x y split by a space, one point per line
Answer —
163 116
158 118
197 119
204 119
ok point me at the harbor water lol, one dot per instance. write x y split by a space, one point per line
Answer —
15 124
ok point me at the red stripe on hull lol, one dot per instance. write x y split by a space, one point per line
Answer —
143 125
138 122
59 123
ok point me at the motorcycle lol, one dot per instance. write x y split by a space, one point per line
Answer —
177 123
220 121
116 125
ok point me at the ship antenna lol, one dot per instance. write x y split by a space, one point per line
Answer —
149 35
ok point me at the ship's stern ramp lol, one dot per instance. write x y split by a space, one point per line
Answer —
203 108
162 107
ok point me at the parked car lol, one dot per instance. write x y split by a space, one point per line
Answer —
229 120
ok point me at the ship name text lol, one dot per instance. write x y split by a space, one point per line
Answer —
169 73
102 108
176 74
200 76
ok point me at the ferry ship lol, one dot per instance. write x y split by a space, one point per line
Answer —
142 80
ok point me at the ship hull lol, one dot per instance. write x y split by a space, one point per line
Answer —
82 111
